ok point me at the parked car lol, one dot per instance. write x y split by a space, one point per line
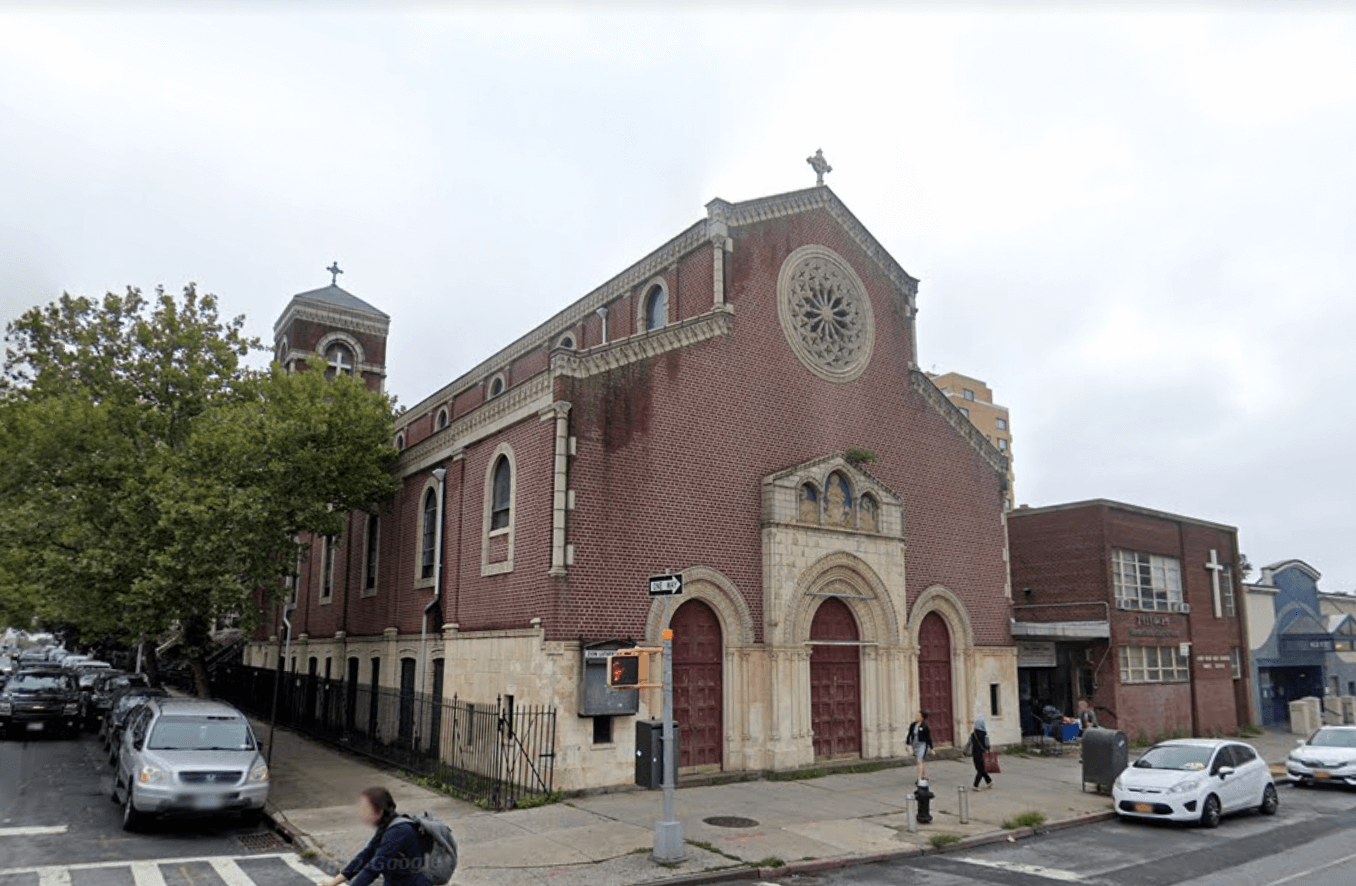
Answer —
1326 757
181 756
40 700
107 685
124 705
1198 780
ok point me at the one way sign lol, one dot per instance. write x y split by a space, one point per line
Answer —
666 585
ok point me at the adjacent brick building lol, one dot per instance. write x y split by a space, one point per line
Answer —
743 405
1138 610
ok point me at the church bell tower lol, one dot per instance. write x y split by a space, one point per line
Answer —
335 327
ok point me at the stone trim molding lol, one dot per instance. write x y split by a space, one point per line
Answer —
518 403
951 412
641 346
781 497
937 598
869 599
713 588
642 301
856 301
330 315
499 567
338 335
559 412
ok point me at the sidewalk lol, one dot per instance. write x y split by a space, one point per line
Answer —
605 839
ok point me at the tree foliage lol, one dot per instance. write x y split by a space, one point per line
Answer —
152 482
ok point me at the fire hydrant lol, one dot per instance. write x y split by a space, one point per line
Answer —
923 796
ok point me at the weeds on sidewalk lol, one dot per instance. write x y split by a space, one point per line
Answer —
771 861
940 841
526 801
714 850
1250 731
1031 819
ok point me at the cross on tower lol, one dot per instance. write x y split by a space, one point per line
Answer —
334 273
819 165
1216 568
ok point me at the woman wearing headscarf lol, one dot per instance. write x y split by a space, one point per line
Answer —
394 853
979 743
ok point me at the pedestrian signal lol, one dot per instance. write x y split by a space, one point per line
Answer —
628 669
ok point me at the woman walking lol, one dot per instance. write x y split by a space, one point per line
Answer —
920 740
979 744
395 850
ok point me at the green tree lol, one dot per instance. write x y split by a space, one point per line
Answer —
151 481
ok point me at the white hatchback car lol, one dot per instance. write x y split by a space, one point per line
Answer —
1328 757
1195 780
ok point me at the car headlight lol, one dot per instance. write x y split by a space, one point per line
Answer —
151 774
1183 787
1120 782
259 772
72 708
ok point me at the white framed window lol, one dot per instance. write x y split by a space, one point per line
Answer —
400 441
567 341
339 360
1236 662
1147 581
496 386
428 535
1228 603
654 307
500 516
968 394
440 421
371 555
1002 444
1154 664
1001 424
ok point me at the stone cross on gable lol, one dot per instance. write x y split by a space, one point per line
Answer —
819 165
334 273
1216 569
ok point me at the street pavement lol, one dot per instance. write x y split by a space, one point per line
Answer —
58 827
1309 843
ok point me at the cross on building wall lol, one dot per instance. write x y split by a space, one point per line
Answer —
1216 568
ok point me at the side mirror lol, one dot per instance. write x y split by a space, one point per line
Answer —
1224 772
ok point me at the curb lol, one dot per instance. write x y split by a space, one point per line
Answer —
847 861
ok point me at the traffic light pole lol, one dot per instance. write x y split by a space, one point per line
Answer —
668 833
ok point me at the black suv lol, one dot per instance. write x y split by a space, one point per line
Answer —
39 700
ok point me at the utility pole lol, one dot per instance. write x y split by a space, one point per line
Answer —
668 832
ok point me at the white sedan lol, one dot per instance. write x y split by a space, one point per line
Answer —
1328 757
1198 780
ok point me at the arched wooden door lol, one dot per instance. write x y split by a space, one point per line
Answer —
934 677
835 681
698 684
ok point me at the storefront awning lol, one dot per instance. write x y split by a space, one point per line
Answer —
1062 630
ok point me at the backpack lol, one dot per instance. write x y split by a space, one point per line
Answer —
440 847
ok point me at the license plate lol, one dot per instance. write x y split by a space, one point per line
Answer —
36 726
207 801
1319 773
1144 807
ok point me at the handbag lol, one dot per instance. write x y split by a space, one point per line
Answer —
991 762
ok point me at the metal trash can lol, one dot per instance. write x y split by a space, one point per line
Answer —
1106 754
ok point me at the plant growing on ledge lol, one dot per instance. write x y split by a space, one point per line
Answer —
858 457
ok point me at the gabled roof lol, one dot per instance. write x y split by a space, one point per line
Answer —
1305 625
340 298
836 461
1282 565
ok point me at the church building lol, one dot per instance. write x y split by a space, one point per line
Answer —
743 406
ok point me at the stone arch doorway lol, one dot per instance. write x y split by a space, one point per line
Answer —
835 680
698 684
934 677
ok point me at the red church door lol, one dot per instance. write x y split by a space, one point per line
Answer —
698 684
835 681
934 677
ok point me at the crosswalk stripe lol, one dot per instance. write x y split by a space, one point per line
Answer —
230 872
147 873
1029 869
45 871
54 877
309 871
33 830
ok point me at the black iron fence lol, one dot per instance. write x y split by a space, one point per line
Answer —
498 754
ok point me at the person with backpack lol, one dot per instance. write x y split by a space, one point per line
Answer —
979 744
919 740
396 851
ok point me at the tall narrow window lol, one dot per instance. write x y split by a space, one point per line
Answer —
373 551
501 506
656 308
327 569
441 421
429 542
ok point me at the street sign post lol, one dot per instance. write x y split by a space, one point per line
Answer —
668 833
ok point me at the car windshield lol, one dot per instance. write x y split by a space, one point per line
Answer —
1190 758
200 734
1334 738
40 683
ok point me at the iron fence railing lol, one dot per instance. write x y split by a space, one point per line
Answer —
497 753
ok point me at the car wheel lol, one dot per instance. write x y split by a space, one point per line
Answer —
1270 802
1210 812
131 819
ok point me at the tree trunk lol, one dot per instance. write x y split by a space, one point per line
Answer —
151 662
198 663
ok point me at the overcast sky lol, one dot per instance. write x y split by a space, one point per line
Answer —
1139 228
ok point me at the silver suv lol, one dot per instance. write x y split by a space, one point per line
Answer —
188 756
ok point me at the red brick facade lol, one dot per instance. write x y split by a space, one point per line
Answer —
1062 572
